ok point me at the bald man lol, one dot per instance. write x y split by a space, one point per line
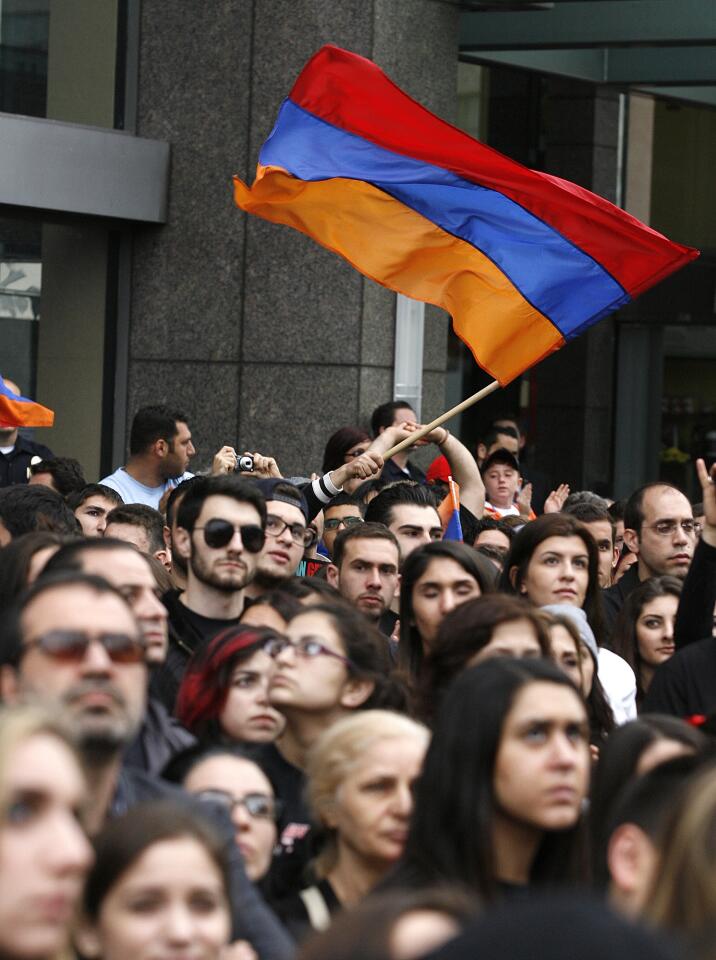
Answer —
16 452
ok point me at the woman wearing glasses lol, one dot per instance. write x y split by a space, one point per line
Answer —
230 778
330 663
360 778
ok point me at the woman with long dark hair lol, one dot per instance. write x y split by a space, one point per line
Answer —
435 579
498 805
343 445
489 626
644 630
632 750
555 560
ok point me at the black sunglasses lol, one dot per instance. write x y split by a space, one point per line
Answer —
71 646
218 532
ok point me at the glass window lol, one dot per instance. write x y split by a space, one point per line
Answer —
24 30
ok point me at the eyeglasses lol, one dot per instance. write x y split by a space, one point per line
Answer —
335 523
70 646
301 536
218 533
258 805
666 528
307 647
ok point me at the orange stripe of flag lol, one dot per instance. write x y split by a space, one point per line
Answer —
406 252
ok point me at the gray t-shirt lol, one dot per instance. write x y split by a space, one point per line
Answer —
131 491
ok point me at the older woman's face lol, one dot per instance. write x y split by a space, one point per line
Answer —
44 854
372 805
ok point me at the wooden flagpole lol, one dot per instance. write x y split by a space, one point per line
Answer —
424 431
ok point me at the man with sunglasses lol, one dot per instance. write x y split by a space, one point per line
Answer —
220 534
287 535
75 645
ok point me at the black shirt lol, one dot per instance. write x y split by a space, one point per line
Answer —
294 915
295 849
14 465
187 632
392 472
686 684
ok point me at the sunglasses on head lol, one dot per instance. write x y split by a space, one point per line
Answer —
218 533
71 646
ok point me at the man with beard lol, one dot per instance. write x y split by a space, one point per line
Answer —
287 535
220 533
160 449
75 645
365 571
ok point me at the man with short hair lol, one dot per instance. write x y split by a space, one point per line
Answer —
287 535
160 449
389 415
595 517
62 474
179 562
91 505
125 568
25 509
494 533
685 684
141 525
659 528
342 512
220 533
409 512
496 438
365 571
75 644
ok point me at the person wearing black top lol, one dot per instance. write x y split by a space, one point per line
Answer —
686 684
220 531
498 805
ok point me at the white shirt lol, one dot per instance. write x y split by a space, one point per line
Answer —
619 683
131 491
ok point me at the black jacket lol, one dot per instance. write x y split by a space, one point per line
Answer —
159 738
13 465
613 597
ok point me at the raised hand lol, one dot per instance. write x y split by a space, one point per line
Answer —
555 501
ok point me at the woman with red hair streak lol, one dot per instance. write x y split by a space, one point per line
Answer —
224 694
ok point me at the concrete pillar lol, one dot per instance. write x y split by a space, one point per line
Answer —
261 336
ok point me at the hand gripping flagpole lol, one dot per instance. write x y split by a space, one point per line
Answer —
424 431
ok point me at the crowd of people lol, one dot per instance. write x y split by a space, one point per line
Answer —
260 717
